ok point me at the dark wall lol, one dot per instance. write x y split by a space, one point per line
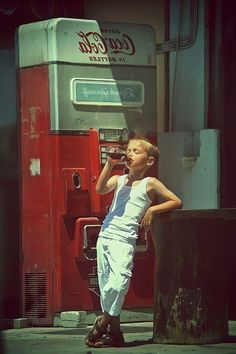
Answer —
222 113
222 91
229 103
9 223
17 12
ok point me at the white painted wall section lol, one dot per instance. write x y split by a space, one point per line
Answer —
189 165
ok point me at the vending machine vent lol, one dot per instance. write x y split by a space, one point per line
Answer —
35 305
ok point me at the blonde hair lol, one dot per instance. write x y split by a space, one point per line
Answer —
152 149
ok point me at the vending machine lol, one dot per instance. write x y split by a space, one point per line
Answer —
84 85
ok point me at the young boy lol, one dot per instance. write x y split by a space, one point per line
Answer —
130 208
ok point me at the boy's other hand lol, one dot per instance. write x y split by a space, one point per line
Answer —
147 219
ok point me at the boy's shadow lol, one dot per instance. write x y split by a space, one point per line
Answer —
137 343
232 339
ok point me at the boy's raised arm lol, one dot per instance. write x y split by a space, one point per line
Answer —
171 201
105 183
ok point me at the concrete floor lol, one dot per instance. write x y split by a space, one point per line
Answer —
54 340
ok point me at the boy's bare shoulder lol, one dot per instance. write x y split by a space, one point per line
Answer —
154 180
113 180
115 177
155 183
150 179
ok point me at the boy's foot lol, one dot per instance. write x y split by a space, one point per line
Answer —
103 342
108 340
95 333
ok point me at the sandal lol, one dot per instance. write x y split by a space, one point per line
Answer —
108 340
104 342
91 337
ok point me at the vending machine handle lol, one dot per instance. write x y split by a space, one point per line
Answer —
86 233
140 248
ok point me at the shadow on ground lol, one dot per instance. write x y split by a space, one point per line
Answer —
83 331
2 346
137 343
231 339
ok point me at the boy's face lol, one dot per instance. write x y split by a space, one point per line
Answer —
137 157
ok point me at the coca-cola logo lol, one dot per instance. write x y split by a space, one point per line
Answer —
95 43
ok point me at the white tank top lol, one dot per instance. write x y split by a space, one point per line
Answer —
128 206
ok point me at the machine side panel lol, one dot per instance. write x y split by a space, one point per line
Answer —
37 205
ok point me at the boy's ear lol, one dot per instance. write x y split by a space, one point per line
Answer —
151 161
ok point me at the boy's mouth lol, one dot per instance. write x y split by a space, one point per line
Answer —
129 160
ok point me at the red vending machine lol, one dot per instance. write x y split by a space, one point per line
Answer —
84 85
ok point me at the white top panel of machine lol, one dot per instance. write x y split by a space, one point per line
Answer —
86 42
